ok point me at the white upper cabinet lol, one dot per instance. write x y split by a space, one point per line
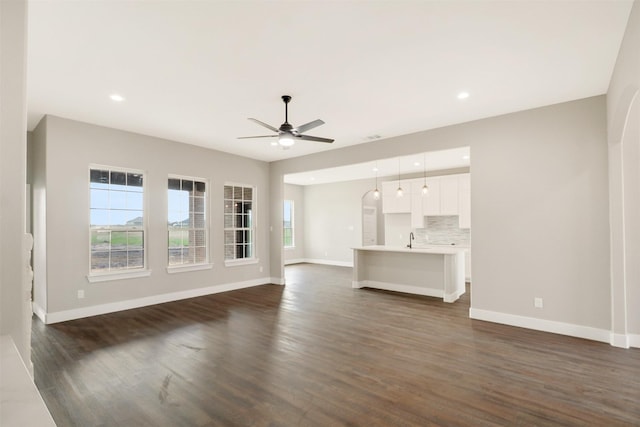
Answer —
417 214
464 200
431 201
449 195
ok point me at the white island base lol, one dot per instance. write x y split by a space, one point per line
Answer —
435 271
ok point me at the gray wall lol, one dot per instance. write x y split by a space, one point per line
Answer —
72 146
38 172
296 193
539 211
623 120
333 220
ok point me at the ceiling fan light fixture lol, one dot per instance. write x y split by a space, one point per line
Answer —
286 140
286 133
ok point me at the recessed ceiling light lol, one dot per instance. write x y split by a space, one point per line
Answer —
312 179
375 169
116 97
274 143
466 157
416 163
463 95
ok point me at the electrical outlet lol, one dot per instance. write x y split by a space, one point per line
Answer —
537 302
80 293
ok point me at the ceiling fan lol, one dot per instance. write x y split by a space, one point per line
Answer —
288 134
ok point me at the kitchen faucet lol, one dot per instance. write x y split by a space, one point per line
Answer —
411 237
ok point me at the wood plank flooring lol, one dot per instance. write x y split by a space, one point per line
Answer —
318 353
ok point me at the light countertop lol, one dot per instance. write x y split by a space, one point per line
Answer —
429 249
21 404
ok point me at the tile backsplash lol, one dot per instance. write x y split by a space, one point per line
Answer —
442 230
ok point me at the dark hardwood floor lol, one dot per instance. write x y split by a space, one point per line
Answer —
319 353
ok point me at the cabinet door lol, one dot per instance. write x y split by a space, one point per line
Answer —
417 215
391 203
464 200
449 195
431 202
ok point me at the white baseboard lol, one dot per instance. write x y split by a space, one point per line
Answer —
276 280
453 297
397 287
561 328
39 311
634 340
329 262
95 310
619 340
294 261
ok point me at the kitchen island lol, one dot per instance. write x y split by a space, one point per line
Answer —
436 271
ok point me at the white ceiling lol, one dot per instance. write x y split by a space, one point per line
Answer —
194 71
421 163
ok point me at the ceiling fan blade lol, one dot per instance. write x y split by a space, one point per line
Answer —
314 138
264 124
259 136
308 126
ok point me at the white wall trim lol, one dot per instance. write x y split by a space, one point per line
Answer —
120 275
39 311
619 340
634 340
79 313
329 262
552 326
189 267
453 296
294 261
277 280
397 287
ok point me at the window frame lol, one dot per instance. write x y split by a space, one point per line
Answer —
253 229
124 273
207 264
293 224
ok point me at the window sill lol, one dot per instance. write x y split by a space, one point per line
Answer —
237 262
184 268
105 277
289 248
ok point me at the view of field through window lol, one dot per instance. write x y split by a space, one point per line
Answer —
187 221
116 220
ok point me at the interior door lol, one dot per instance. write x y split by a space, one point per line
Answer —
369 225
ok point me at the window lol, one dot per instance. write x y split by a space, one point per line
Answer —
187 222
287 225
239 222
117 225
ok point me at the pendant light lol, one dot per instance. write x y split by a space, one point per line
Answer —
399 191
425 187
376 192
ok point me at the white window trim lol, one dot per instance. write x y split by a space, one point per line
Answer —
179 268
241 261
102 276
117 275
254 258
173 269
